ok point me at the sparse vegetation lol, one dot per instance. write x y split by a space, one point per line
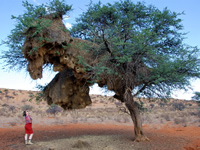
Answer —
178 106
180 121
27 107
108 109
152 106
53 109
12 108
198 113
166 117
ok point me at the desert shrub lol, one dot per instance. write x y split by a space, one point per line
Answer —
53 109
24 101
13 123
81 144
101 101
5 105
14 93
179 120
12 108
161 104
152 106
4 112
27 107
9 97
198 113
193 113
31 95
39 112
198 103
111 99
178 106
118 104
166 117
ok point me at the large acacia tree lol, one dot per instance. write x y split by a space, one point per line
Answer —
146 50
139 48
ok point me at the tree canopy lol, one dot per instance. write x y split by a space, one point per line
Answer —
136 34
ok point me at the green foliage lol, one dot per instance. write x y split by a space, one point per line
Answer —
39 96
6 91
32 17
141 107
31 95
196 96
139 38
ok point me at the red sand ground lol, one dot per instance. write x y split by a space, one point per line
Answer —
166 138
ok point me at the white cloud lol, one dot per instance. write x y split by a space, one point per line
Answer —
65 17
95 89
68 25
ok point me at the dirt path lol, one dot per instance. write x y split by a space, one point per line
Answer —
100 137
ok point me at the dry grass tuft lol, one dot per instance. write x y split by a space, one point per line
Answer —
81 144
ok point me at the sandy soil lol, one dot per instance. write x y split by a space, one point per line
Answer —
100 137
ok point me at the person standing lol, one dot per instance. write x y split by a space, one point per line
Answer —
28 127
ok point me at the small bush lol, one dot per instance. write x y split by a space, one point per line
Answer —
166 116
4 112
53 109
178 106
152 106
24 101
27 107
5 105
31 95
6 90
193 113
118 104
161 104
14 93
12 108
9 97
13 123
81 144
179 120
198 113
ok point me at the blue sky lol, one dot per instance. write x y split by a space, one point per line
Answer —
21 80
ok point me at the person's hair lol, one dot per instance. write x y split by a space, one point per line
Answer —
24 113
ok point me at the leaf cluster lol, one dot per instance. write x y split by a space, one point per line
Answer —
196 96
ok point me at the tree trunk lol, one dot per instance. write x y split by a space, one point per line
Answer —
135 116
